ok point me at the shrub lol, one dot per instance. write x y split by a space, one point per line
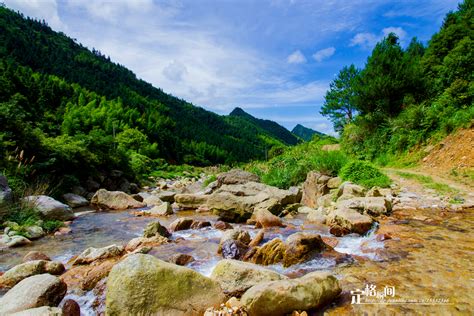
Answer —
365 174
52 226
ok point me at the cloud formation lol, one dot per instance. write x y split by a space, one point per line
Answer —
368 40
296 58
325 53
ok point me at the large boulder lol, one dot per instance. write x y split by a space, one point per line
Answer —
35 255
373 206
236 176
74 200
14 241
316 216
41 311
50 208
266 219
150 199
190 201
92 254
350 220
349 190
182 223
235 277
144 285
155 228
141 242
30 268
282 297
234 244
314 187
269 253
166 196
86 277
300 247
114 200
36 291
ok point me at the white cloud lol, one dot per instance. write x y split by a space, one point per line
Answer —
40 9
368 40
296 58
325 53
175 71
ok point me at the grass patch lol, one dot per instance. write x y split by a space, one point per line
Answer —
428 182
365 174
209 180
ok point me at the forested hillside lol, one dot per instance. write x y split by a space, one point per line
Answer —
405 97
69 110
305 133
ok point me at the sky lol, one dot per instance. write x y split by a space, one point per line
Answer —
275 59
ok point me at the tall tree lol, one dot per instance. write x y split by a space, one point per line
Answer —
339 100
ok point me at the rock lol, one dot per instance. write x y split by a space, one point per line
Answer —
78 190
15 241
298 193
74 200
339 231
266 219
114 200
133 286
155 228
166 196
349 190
6 194
314 187
160 210
200 224
236 176
235 234
34 232
316 216
351 220
300 247
35 255
235 277
282 297
150 199
182 223
257 239
220 225
334 183
92 254
91 185
190 201
36 291
63 231
233 249
41 311
140 242
30 268
86 277
305 210
374 192
181 259
71 308
137 197
326 200
270 253
50 208
373 206
382 237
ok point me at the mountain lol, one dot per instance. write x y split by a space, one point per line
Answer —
305 133
75 111
272 128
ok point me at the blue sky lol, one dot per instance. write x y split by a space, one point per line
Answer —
275 58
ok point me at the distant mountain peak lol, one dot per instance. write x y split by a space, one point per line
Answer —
306 133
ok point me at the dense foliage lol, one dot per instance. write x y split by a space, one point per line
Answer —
405 97
71 111
305 133
365 174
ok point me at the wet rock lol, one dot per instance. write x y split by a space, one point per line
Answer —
236 176
314 187
63 231
334 183
382 237
305 210
74 200
161 210
91 185
349 190
140 242
269 253
155 228
50 208
330 241
300 247
40 311
373 206
6 194
282 297
182 223
233 249
35 255
114 200
220 225
166 196
36 291
350 219
133 285
257 239
86 277
71 308
92 254
14 241
235 277
34 232
181 259
150 200
374 192
190 201
200 224
266 219
316 216
235 234
28 269
338 230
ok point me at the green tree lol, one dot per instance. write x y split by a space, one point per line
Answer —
339 100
